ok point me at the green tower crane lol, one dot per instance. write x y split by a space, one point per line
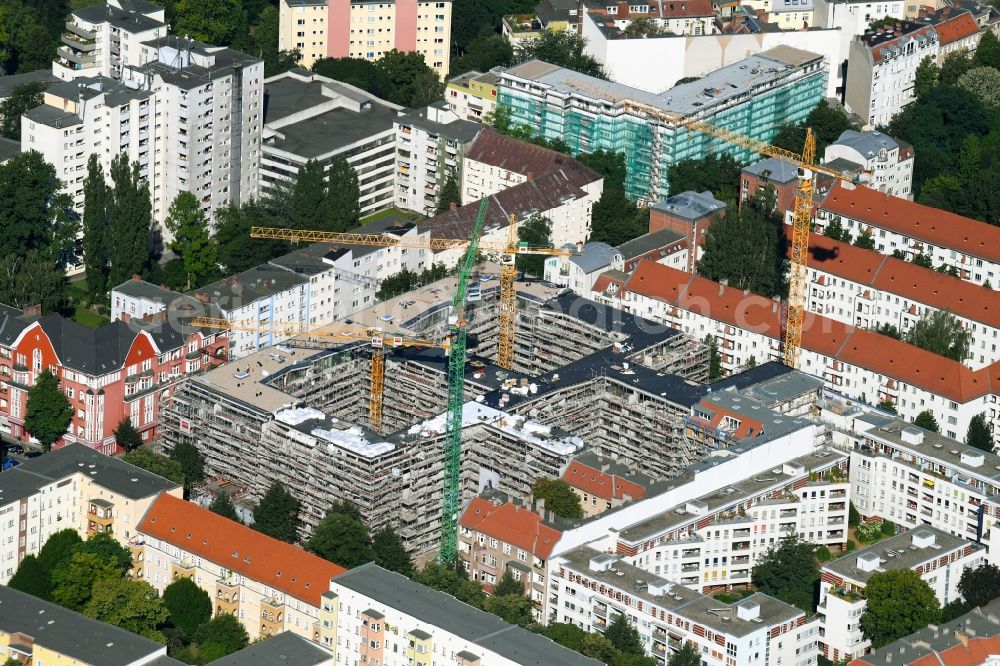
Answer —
456 397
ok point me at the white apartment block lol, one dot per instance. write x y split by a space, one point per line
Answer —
93 116
431 144
210 103
937 556
915 478
590 588
749 326
269 585
73 487
138 299
473 95
882 66
887 162
375 616
579 272
311 117
366 29
852 18
969 246
787 14
869 290
101 40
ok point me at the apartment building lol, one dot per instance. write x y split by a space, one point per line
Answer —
73 487
899 225
887 163
591 588
688 18
650 129
312 117
915 477
33 631
110 373
473 95
882 66
689 214
138 299
749 326
286 647
102 39
379 616
270 585
851 18
778 175
580 271
603 484
431 144
939 558
366 29
869 290
956 27
496 536
665 246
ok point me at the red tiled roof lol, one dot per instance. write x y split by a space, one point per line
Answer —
749 427
930 225
513 524
604 281
971 653
903 278
894 358
956 27
504 152
243 550
601 484
681 8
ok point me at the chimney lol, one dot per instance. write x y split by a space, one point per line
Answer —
452 206
775 302
136 277
32 310
962 638
722 286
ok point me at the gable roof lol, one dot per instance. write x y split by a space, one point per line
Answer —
504 152
511 524
914 220
952 26
229 544
601 484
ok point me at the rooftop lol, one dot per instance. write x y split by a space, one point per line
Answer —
773 169
11 81
527 159
240 549
53 117
8 149
906 550
513 524
648 243
286 648
134 19
868 144
72 634
258 283
605 479
595 256
930 445
440 120
114 474
148 291
431 608
328 133
690 206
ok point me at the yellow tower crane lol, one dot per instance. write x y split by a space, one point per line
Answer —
332 334
801 218
508 252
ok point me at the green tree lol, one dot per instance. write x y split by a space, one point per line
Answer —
598 647
718 174
453 580
57 550
156 463
926 420
95 227
615 218
835 230
559 497
130 604
715 371
610 165
978 434
35 213
566 634
536 231
926 76
342 197
946 192
73 582
889 330
624 636
220 636
508 585
21 99
130 216
687 655
30 578
746 246
309 197
987 51
565 49
48 412
237 250
31 279
984 83
189 606
224 506
865 241
412 82
828 123
357 72
451 193
981 585
899 602
215 22
277 514
954 65
126 436
887 406
389 552
264 41
187 223
191 462
788 572
487 51
342 539
643 27
512 608
105 547
940 332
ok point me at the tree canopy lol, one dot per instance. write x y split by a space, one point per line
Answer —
156 463
453 580
189 226
189 606
980 585
48 413
485 52
277 514
926 420
342 538
390 553
30 578
73 582
130 217
537 232
21 99
565 49
624 636
95 227
559 497
687 655
126 436
451 193
979 434
224 506
130 604
215 22
237 250
940 332
191 462
899 602
220 636
788 571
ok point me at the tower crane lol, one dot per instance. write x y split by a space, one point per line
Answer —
508 252
801 217
330 334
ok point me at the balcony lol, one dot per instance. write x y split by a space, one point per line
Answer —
100 516
182 569
72 56
691 552
77 42
81 31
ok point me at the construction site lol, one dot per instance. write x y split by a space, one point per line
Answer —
585 378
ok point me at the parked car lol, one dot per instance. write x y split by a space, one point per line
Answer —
15 448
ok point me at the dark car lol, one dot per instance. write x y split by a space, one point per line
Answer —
15 448
32 454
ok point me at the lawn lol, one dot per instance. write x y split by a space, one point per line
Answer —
89 318
390 212
76 296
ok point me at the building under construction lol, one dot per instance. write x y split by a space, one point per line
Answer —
587 378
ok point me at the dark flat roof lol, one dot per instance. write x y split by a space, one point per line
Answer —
331 131
286 649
